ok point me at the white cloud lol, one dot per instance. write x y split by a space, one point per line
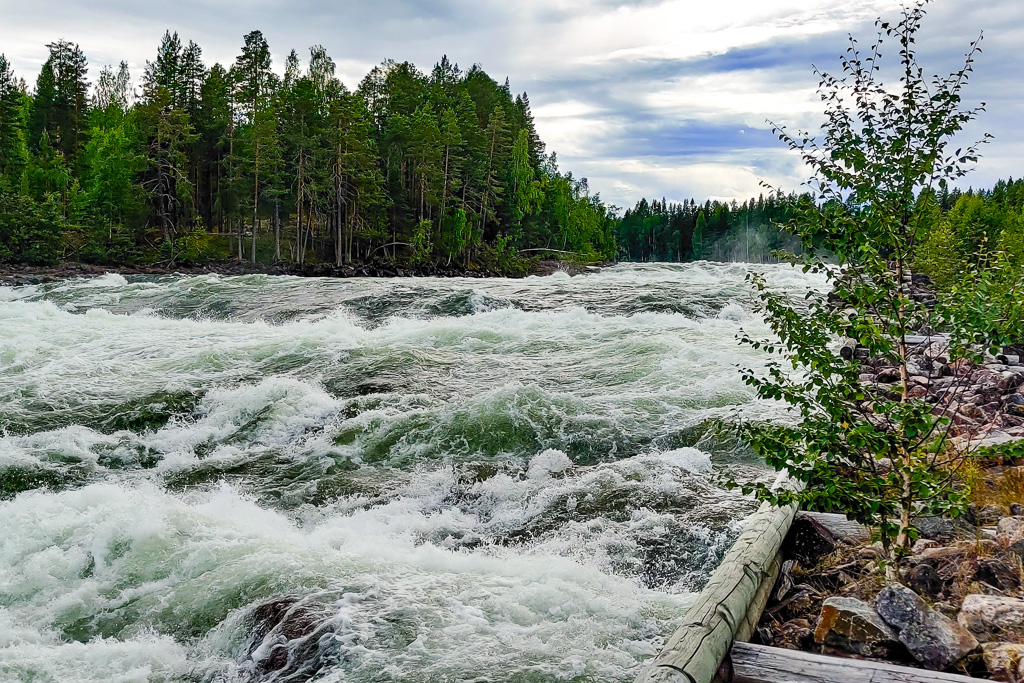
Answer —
613 82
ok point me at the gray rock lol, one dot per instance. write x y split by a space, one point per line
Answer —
940 528
990 514
854 626
934 640
924 579
1009 530
1003 661
992 617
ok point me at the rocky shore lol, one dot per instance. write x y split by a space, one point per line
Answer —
12 275
960 604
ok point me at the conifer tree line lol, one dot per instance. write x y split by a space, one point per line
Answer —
959 228
197 161
713 231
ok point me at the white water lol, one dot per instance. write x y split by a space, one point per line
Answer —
435 480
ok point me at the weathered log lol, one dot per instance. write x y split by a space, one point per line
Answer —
840 526
730 605
761 664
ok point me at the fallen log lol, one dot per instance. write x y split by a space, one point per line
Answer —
730 605
842 528
762 664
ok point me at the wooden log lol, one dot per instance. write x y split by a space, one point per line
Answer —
762 664
757 605
840 526
722 612
847 348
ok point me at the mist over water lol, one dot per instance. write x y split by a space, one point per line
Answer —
269 478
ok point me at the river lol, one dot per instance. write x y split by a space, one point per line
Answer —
259 478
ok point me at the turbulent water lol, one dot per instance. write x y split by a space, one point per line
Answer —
285 479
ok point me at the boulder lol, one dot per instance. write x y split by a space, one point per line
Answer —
918 392
1009 530
1003 661
940 528
933 639
992 617
998 573
854 626
925 580
887 375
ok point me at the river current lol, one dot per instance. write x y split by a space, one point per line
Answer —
261 478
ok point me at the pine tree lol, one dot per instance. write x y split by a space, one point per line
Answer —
13 153
254 88
164 74
697 243
60 107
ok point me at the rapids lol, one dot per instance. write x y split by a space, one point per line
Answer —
264 478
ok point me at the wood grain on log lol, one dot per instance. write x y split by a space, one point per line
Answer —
725 609
761 664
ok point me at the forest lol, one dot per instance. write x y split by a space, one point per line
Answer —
200 163
956 228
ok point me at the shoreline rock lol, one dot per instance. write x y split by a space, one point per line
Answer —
16 276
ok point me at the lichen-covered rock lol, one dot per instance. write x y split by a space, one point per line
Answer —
1003 661
941 528
854 626
1009 530
992 617
934 640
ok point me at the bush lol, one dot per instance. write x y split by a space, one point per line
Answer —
30 232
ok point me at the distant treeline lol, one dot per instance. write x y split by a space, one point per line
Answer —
956 227
715 231
203 162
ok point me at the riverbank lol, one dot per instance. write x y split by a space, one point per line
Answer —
960 604
17 275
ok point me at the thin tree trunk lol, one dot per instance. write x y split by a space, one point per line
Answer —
277 229
255 202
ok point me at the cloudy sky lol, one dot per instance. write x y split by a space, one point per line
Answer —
643 97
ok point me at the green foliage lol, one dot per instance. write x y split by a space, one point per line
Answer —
939 256
334 175
30 231
661 231
697 241
503 257
422 245
872 451
194 247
